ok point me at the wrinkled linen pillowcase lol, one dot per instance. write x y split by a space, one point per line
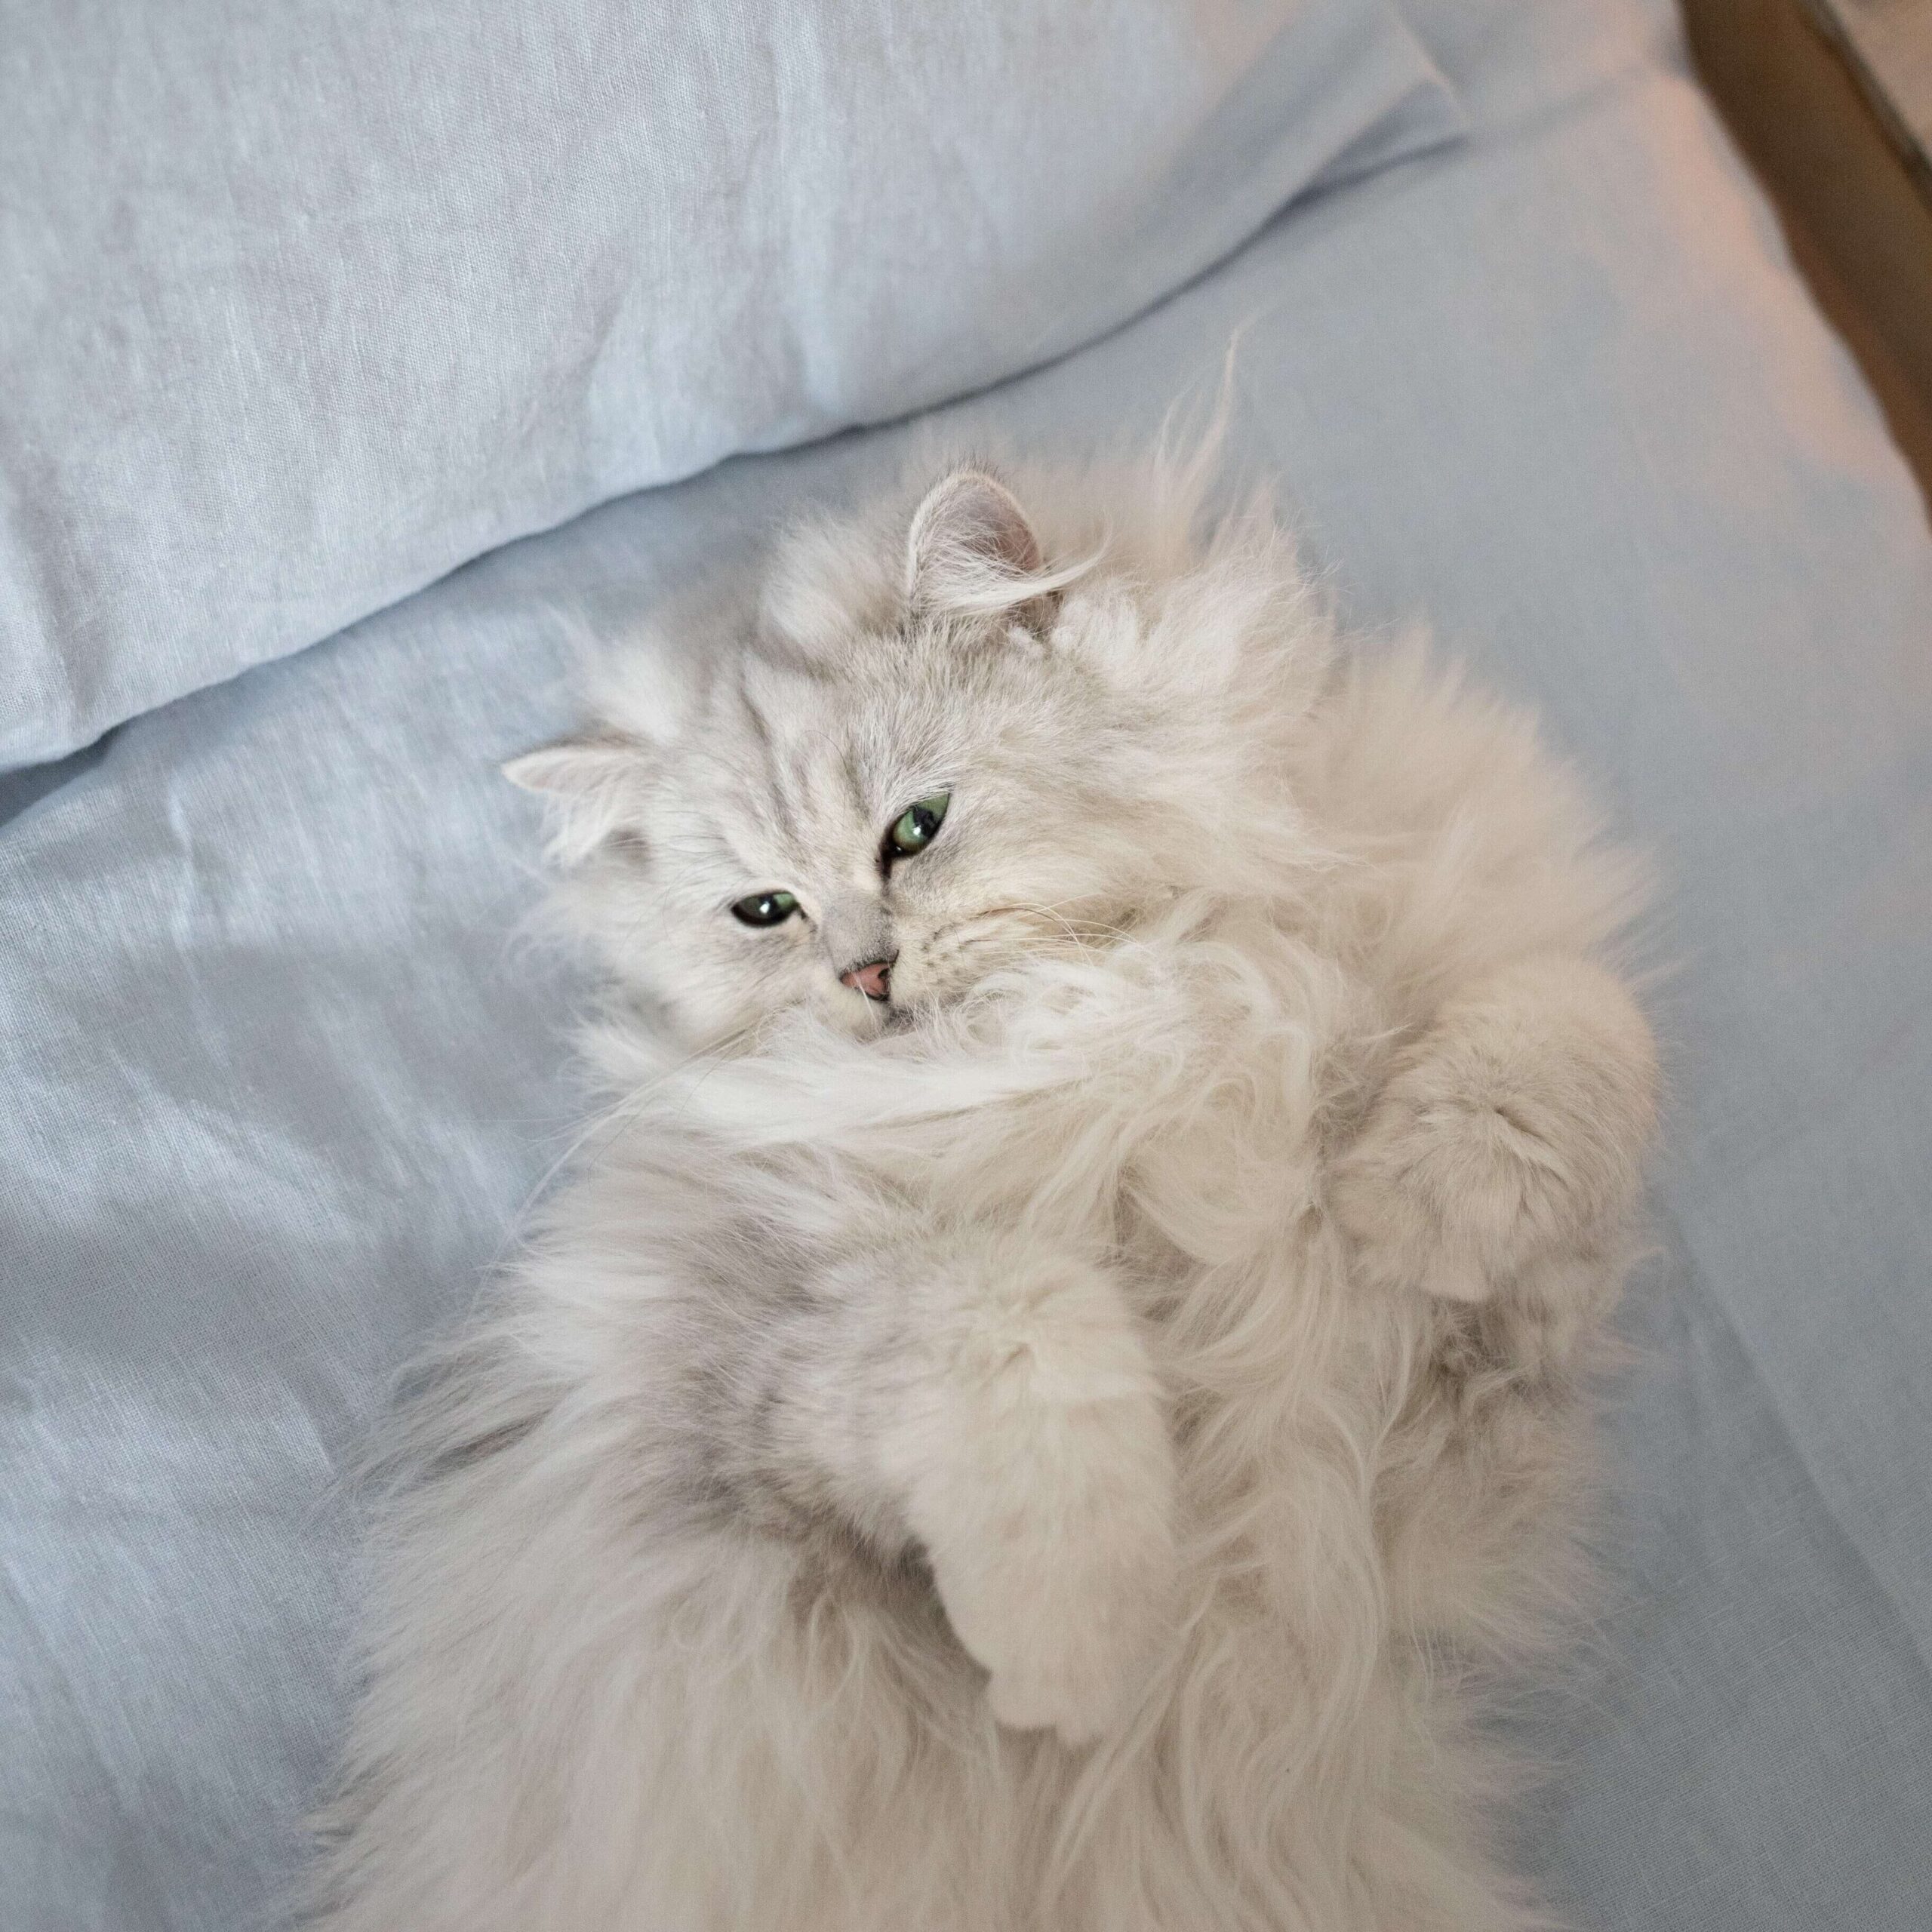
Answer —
302 307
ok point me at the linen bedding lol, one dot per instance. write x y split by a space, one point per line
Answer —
302 306
279 1075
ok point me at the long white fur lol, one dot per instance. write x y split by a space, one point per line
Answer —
1062 1450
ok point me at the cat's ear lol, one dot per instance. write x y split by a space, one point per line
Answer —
572 766
971 549
592 784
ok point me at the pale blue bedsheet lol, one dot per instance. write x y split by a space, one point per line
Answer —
277 1081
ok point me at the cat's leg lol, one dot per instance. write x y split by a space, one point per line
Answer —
995 1399
1508 1138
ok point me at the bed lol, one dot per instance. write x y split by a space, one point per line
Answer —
282 1068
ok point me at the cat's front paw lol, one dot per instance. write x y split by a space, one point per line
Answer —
1042 1485
1068 1617
1508 1136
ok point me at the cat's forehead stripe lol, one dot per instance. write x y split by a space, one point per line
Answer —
777 802
760 730
855 783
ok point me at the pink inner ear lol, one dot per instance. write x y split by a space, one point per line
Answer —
969 532
993 525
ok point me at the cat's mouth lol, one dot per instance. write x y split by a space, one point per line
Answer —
940 967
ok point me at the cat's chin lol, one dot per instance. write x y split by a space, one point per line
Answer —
865 1020
886 1020
877 1021
893 1019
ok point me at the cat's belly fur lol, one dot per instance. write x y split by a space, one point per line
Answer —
689 1727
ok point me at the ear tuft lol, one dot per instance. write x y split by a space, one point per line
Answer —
970 548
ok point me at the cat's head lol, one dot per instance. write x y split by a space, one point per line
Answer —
939 752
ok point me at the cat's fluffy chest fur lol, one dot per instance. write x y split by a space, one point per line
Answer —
1037 1454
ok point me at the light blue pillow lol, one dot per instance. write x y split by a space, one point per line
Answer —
302 306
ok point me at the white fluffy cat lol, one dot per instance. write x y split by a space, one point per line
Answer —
1065 1356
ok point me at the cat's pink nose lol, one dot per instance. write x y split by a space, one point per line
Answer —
874 979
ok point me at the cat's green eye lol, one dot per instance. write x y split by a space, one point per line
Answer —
917 826
765 908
